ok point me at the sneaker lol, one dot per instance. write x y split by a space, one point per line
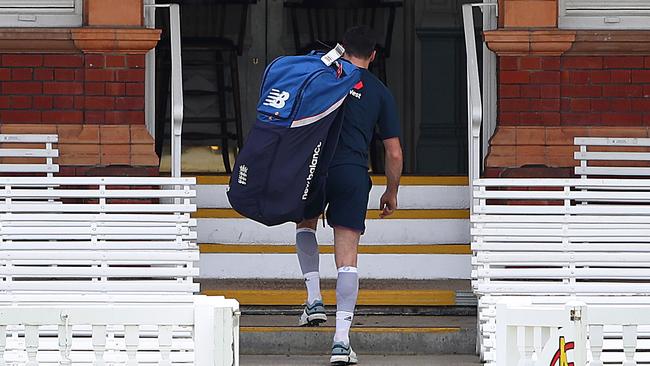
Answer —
313 315
342 354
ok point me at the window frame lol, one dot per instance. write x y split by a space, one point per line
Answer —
44 17
600 22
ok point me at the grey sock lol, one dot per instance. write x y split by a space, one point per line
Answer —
347 289
307 249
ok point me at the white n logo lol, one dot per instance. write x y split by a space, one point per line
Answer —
277 99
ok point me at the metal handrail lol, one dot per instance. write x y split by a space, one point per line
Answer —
474 99
177 84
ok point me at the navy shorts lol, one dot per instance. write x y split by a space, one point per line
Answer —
345 196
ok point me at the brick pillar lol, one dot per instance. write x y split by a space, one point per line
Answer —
528 13
95 102
84 84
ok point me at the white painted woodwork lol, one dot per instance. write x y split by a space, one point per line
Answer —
14 147
407 266
409 197
100 271
558 237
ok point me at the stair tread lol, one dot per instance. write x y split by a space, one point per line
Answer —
368 321
364 284
375 359
239 248
229 213
376 180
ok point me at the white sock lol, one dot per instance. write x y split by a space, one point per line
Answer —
312 281
343 323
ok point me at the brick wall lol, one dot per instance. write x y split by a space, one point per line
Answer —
95 102
546 101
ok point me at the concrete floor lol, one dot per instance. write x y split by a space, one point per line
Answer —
438 360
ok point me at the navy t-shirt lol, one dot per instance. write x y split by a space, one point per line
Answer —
369 104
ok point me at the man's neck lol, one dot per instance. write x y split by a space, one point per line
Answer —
358 62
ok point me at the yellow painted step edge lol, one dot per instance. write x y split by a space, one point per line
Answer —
376 180
228 213
366 297
354 329
329 249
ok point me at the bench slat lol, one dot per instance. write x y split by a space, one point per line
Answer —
569 210
577 183
28 153
58 272
101 255
92 193
611 155
104 218
29 168
575 273
516 246
611 141
617 196
47 245
525 288
90 181
103 286
595 170
28 138
108 208
62 231
621 258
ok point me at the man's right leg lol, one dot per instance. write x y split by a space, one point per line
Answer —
307 250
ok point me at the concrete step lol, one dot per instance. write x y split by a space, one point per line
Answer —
428 237
379 261
376 293
364 359
416 192
370 334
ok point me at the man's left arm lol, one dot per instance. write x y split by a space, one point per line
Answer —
394 163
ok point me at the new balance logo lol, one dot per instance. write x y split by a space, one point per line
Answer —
312 169
243 175
277 99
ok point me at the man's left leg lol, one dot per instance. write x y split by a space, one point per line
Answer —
346 242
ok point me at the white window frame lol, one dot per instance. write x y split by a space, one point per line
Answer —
604 19
28 13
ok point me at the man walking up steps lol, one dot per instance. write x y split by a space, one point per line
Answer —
369 104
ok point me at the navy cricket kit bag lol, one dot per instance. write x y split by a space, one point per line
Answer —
283 163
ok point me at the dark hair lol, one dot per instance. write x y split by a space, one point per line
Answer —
359 41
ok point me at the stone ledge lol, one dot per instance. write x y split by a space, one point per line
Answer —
557 42
507 42
73 40
552 147
136 40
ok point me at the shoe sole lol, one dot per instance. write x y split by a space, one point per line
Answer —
342 361
313 320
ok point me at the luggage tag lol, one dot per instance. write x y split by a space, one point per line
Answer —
333 55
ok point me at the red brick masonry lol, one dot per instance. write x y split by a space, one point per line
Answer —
95 102
545 101
91 88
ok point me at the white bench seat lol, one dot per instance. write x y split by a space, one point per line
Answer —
614 157
100 270
558 237
31 154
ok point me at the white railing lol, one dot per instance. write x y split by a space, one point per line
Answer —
167 334
476 110
530 334
177 84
